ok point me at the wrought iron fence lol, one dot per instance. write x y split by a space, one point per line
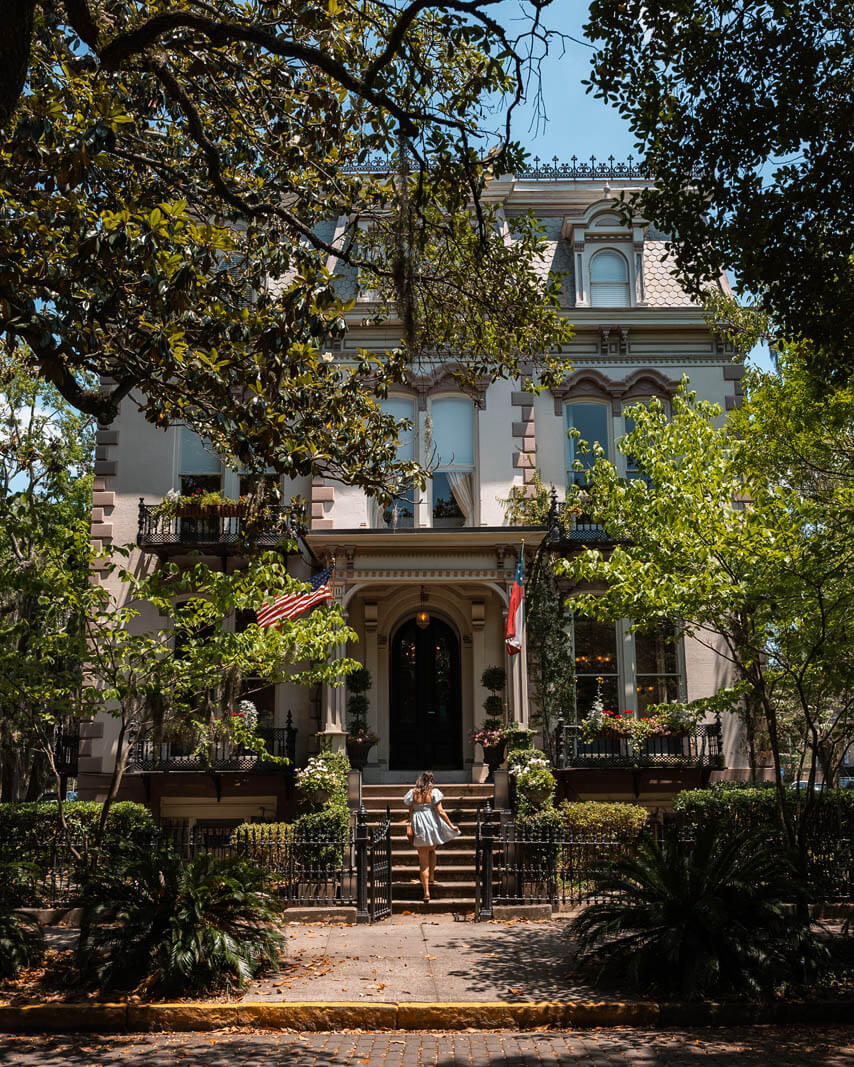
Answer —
700 748
516 864
150 755
312 869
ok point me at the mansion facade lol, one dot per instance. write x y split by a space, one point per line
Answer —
425 582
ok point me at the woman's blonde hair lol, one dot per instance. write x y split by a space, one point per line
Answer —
424 787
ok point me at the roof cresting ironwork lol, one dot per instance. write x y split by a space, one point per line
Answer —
538 170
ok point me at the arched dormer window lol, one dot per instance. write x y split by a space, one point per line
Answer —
609 280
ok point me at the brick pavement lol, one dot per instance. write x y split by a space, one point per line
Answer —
819 1047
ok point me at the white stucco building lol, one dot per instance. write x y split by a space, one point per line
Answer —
448 551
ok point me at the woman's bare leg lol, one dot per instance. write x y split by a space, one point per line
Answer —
432 865
424 868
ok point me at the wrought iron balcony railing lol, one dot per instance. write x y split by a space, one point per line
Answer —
702 748
224 528
221 756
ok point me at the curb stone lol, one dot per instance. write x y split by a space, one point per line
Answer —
342 1015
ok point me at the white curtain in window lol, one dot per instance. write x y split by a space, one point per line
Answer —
197 455
609 280
461 487
453 431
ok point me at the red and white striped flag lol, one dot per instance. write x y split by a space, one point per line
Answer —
514 633
289 605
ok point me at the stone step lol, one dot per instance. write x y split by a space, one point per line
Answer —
460 906
464 789
451 890
444 873
408 857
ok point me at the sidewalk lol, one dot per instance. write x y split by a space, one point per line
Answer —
426 959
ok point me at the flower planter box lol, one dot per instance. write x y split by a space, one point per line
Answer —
235 510
358 752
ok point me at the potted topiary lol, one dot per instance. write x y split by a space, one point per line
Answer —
360 740
491 735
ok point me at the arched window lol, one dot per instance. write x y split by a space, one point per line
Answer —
591 421
609 280
452 419
400 512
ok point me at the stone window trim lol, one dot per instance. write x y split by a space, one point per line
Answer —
441 380
591 384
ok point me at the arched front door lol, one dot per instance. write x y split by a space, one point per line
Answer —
425 716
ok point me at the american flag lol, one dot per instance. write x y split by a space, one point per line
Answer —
289 605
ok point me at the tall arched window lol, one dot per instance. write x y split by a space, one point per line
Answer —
452 419
400 512
591 421
609 280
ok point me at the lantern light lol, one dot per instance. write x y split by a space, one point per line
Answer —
422 618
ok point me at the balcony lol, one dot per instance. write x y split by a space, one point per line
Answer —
148 756
701 749
222 529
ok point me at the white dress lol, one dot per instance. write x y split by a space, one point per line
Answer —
428 828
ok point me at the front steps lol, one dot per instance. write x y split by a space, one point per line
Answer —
455 867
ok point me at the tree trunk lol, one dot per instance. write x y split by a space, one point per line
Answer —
16 35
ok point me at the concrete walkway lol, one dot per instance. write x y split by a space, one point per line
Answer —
418 958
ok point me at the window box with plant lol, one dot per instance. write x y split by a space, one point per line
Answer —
360 740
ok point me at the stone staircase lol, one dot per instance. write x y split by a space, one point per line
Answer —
455 866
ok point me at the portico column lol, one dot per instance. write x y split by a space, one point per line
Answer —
334 731
372 664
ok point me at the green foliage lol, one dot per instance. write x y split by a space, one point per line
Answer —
31 834
323 781
21 937
594 817
549 624
359 680
322 835
494 678
518 758
731 542
755 807
535 785
171 927
197 234
695 919
46 456
21 941
741 110
493 705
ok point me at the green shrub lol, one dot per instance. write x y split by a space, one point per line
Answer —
21 937
519 758
696 919
535 785
606 819
519 738
175 927
32 832
313 831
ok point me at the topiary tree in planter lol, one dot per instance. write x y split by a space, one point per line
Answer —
491 735
360 739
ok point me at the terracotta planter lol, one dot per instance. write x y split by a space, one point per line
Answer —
357 752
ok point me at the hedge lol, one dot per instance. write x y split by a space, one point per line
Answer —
597 817
755 806
579 819
31 834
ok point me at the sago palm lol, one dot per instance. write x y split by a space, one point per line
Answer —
693 918
174 926
21 937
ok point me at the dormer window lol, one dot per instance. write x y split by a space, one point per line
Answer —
609 280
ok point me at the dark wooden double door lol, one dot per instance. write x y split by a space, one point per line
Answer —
425 715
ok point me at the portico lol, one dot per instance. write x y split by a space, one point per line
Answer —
429 607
